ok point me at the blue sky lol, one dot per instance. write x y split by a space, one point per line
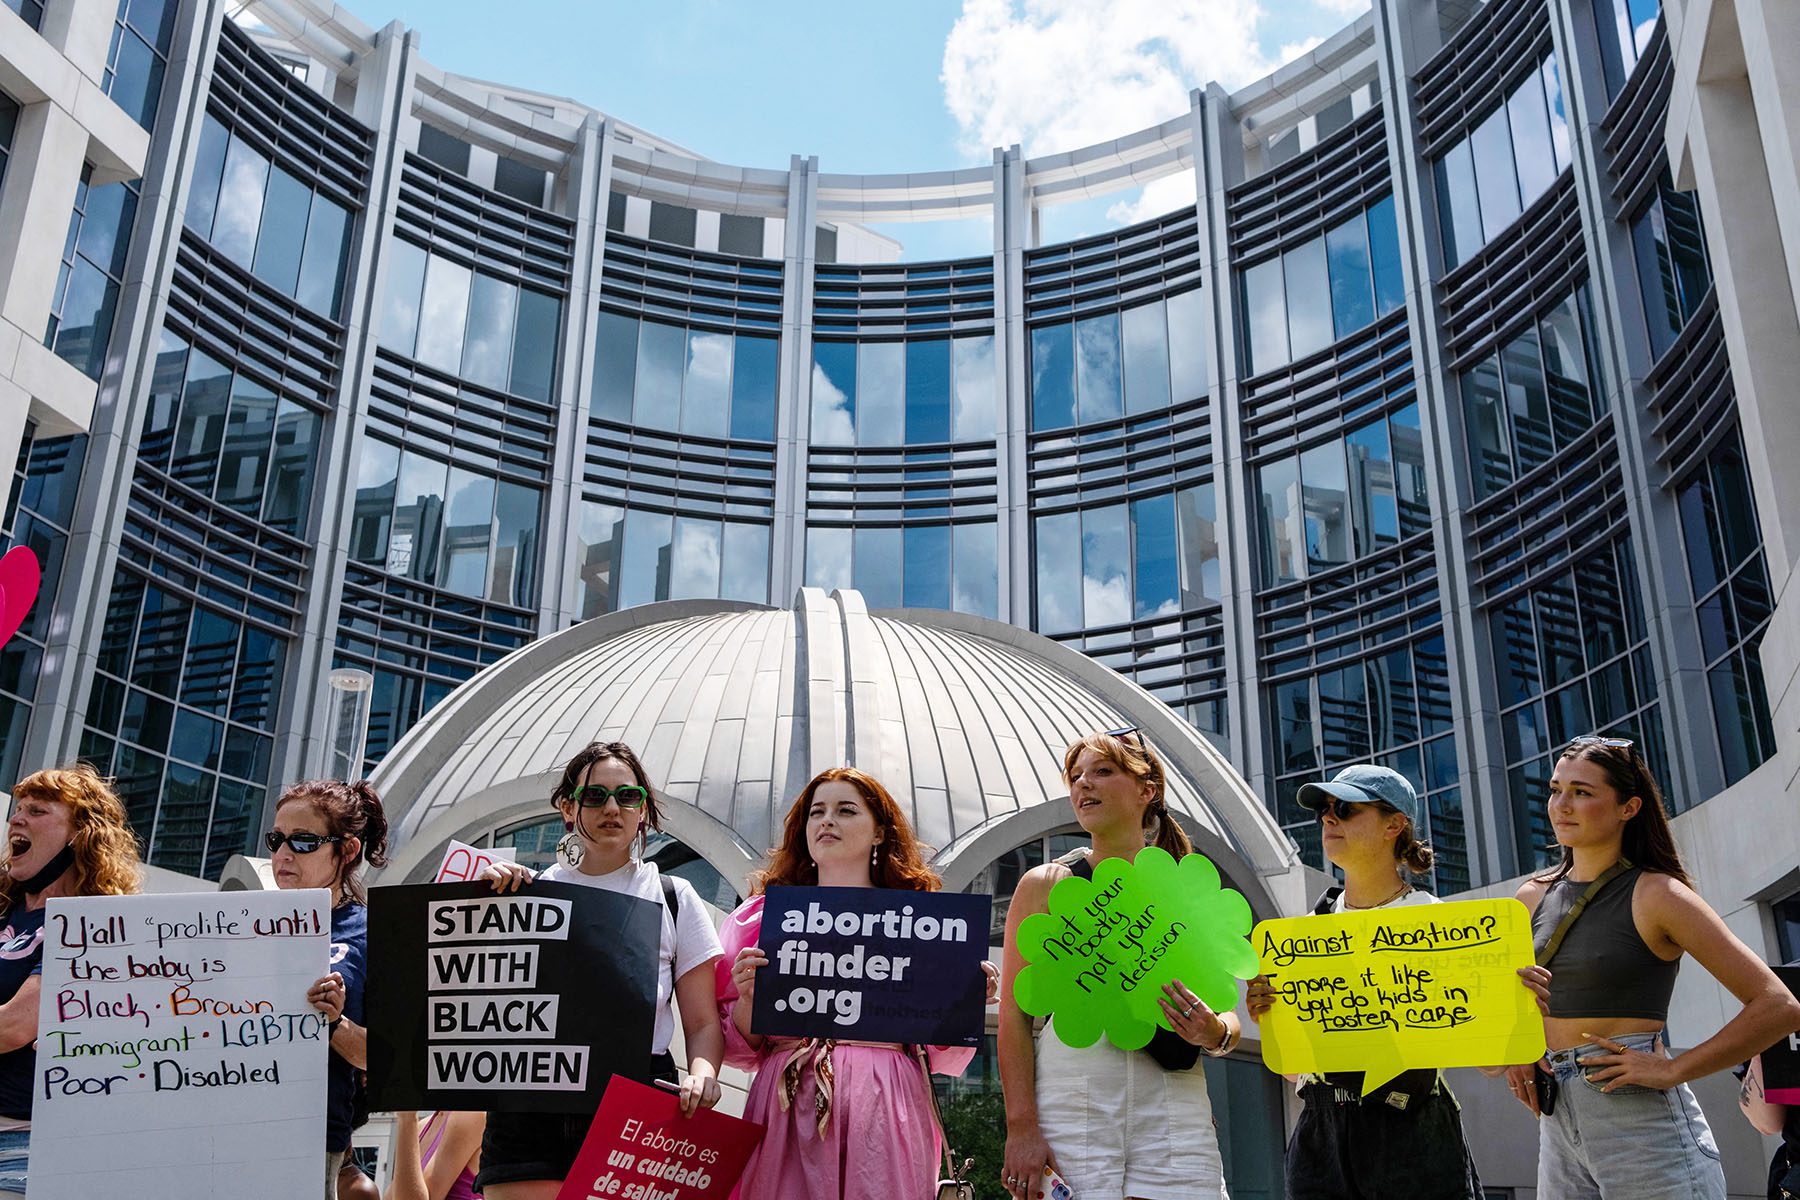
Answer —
917 86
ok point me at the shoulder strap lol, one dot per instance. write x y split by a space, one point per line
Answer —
671 899
1575 910
1327 901
1078 864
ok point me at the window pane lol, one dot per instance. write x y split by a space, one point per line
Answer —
209 165
1053 376
468 530
1559 120
282 234
1156 567
1352 287
85 322
880 394
601 543
644 572
1190 329
1324 489
290 477
877 566
694 560
1459 211
753 370
377 476
1265 310
1533 152
977 394
240 202
512 578
201 426
400 301
325 259
1281 529
1494 175
828 557
418 518
1146 342
1526 402
487 343
443 314
1105 567
706 395
672 223
1308 298
1294 750
928 395
1687 249
744 574
244 458
1194 512
1373 508
927 573
1384 256
105 234
740 235
206 673
158 433
1490 435
538 335
977 566
1565 371
615 366
1058 588
834 394
662 350
1097 368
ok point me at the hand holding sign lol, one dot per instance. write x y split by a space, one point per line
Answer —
1386 990
1100 956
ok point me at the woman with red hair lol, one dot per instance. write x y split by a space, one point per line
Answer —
845 1120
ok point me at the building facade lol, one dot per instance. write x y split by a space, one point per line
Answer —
1447 422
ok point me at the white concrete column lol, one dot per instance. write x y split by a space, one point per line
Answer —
48 150
82 31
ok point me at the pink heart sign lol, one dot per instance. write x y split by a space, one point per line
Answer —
19 580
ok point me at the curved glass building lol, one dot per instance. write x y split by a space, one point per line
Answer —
1429 433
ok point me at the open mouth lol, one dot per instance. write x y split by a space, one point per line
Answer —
1086 804
18 844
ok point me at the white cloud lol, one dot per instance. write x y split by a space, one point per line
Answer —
1160 196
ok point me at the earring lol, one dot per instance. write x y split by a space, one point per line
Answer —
875 855
570 849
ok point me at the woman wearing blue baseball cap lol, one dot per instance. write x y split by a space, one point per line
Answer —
1347 1144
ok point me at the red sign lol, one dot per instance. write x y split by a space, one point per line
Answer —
19 581
640 1147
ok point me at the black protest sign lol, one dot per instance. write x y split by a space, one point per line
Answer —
526 1001
1781 1062
873 965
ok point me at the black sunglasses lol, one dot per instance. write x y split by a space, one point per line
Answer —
1123 733
1590 739
628 795
299 843
1343 810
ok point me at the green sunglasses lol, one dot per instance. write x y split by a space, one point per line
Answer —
628 795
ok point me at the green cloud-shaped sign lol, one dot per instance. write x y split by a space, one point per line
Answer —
1100 957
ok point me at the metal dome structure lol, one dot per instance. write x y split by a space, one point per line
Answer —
732 707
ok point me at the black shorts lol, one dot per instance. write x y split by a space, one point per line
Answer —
1392 1144
531 1145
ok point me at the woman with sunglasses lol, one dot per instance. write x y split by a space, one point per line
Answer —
843 1120
67 836
325 830
609 808
1136 1124
1347 1144
1614 919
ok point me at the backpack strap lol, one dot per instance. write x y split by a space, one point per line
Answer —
671 899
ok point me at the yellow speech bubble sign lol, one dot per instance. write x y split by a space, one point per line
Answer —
1393 989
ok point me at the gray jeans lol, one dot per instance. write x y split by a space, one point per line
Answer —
1632 1142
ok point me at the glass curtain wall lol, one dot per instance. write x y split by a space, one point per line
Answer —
1322 290
1509 159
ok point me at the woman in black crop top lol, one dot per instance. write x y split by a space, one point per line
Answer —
1624 1122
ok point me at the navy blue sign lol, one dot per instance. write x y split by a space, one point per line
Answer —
873 965
1781 1062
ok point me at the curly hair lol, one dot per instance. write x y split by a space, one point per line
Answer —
106 850
1138 760
899 858
349 810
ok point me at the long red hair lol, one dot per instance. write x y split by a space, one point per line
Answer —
899 859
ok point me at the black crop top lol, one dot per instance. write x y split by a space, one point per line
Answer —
1603 968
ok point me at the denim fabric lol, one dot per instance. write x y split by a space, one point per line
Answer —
1370 1150
1633 1142
15 1153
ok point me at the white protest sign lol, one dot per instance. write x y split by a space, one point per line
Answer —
177 1057
463 862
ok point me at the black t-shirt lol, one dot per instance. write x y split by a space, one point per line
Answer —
21 957
344 1086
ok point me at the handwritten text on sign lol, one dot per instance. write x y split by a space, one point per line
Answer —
640 1147
177 1055
1388 990
463 862
1099 958
506 984
873 965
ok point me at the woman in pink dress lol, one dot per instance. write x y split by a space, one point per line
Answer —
845 1120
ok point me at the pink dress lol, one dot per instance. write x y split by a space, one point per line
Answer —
879 1141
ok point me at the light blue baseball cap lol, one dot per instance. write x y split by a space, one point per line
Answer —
1365 784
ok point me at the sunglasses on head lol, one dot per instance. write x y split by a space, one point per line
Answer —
628 795
299 843
1590 739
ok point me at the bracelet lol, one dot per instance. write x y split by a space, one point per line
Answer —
331 1025
1225 1042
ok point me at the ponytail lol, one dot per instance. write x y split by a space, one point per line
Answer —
1416 856
349 810
1169 835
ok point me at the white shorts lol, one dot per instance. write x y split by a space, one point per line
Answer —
1121 1126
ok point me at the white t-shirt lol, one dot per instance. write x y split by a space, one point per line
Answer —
1406 901
688 941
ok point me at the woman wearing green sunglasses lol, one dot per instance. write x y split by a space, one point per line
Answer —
608 807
